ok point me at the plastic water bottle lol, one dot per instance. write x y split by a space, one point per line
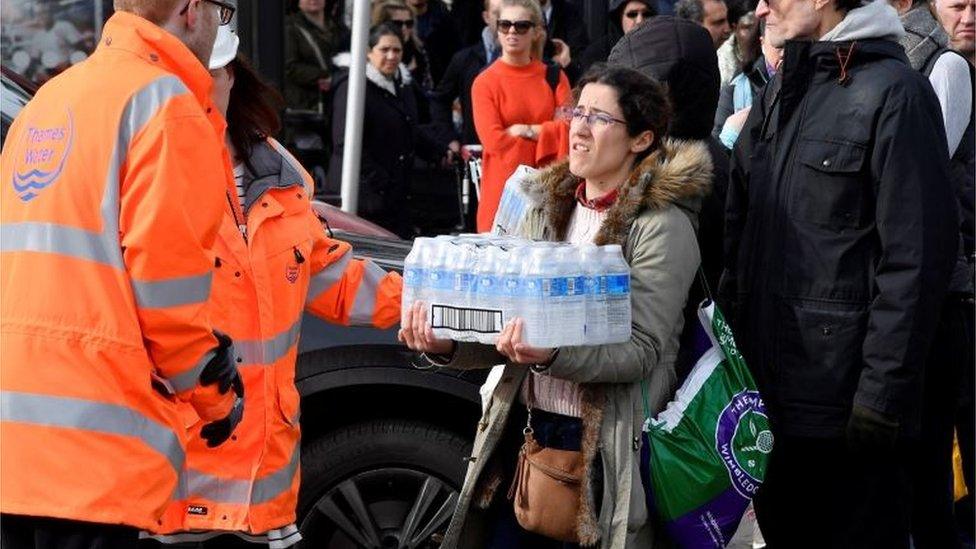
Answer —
532 296
595 330
484 321
511 300
413 275
461 262
567 302
618 294
439 289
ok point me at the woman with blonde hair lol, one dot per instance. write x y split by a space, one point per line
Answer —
514 102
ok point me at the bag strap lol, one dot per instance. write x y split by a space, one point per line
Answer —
529 402
315 47
647 408
706 289
553 472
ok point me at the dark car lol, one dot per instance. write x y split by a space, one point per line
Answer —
384 441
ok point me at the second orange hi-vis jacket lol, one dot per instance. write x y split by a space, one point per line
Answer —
112 187
263 283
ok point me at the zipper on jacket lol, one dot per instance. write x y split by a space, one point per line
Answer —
299 258
241 223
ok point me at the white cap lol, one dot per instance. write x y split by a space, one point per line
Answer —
225 48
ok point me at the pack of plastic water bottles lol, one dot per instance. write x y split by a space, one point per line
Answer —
566 295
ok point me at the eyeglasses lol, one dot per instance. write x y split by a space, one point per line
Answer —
408 23
521 27
594 119
644 14
226 10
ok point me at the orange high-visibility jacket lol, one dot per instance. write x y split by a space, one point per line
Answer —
262 285
112 187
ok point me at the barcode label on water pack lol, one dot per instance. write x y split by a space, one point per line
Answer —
486 321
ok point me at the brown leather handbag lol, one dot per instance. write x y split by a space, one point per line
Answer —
546 489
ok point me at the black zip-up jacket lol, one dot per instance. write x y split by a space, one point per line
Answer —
840 236
465 66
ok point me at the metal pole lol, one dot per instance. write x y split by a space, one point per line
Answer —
355 107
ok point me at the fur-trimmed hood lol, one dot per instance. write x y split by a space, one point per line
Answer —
679 173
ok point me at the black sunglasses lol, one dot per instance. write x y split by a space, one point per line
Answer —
521 27
632 14
226 10
408 23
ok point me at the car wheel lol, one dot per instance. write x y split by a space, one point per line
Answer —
380 484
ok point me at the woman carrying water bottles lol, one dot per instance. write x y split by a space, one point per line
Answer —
625 183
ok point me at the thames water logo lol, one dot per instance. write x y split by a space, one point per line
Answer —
42 158
743 441
291 273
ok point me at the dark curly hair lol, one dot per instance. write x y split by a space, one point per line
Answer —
848 5
643 101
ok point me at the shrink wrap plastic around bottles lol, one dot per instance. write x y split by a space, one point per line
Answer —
514 203
566 295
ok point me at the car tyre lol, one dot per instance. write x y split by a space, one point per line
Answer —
382 483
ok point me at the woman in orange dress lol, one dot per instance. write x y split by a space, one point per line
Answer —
514 105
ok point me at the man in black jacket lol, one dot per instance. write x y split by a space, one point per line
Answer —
841 233
465 66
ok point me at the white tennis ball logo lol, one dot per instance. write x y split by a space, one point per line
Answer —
764 442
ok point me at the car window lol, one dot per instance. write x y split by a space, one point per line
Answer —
12 100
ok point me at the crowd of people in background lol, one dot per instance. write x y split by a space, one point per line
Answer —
812 161
444 47
878 194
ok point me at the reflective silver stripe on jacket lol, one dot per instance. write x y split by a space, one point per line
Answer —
327 277
267 351
241 491
87 415
364 303
188 379
172 292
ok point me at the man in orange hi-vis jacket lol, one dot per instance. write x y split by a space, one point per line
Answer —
112 188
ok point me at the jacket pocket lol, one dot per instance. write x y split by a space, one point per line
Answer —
819 358
828 186
289 401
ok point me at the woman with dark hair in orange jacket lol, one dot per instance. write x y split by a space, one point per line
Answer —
274 262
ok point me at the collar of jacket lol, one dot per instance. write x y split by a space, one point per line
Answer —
806 63
267 169
380 80
758 74
679 173
129 32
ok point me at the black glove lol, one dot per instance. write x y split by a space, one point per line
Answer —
869 430
217 432
221 369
